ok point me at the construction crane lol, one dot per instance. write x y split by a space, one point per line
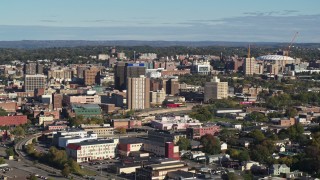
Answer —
292 41
287 51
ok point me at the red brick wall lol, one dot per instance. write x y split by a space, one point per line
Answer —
12 120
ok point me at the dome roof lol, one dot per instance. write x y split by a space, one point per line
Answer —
275 58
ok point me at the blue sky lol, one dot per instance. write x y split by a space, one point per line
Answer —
182 20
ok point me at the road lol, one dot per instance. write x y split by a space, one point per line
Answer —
166 110
19 150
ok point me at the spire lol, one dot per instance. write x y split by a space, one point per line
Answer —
249 52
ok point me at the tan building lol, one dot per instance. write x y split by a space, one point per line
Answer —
60 74
101 130
249 66
138 93
215 89
91 76
157 97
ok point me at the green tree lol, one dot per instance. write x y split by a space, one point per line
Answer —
65 171
18 131
256 117
291 112
10 151
211 144
243 156
257 135
2 161
184 144
3 112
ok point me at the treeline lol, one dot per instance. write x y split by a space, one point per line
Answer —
74 53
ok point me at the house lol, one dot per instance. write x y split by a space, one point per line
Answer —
224 146
278 169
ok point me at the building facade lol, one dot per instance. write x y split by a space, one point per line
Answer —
92 150
32 82
138 94
215 89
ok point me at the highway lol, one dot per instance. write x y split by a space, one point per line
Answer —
166 110
19 150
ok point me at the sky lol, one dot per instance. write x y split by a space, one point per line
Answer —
168 20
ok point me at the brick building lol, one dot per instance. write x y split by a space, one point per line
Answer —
13 120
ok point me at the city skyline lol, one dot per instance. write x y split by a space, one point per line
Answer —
188 20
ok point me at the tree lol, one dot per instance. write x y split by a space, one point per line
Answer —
256 117
65 171
291 112
257 135
243 156
211 144
33 177
10 152
2 161
122 130
3 112
184 144
18 131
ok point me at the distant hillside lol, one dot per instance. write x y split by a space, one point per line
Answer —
31 44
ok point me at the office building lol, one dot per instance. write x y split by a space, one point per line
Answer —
138 94
249 66
30 68
215 89
92 150
127 70
91 76
32 82
57 101
173 86
157 97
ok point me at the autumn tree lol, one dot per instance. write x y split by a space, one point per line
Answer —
211 144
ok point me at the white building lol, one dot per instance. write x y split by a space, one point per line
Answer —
92 150
64 141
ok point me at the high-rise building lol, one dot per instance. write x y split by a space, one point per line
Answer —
249 66
127 70
92 76
119 76
215 89
30 68
32 82
138 93
172 86
57 101
39 68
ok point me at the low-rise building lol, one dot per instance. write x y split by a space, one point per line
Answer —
64 141
175 123
278 169
102 130
197 132
125 123
159 171
13 120
92 150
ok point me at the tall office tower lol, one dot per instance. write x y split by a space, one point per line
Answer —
92 76
39 68
32 82
215 89
123 71
138 93
172 86
80 71
30 68
249 66
57 101
119 76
